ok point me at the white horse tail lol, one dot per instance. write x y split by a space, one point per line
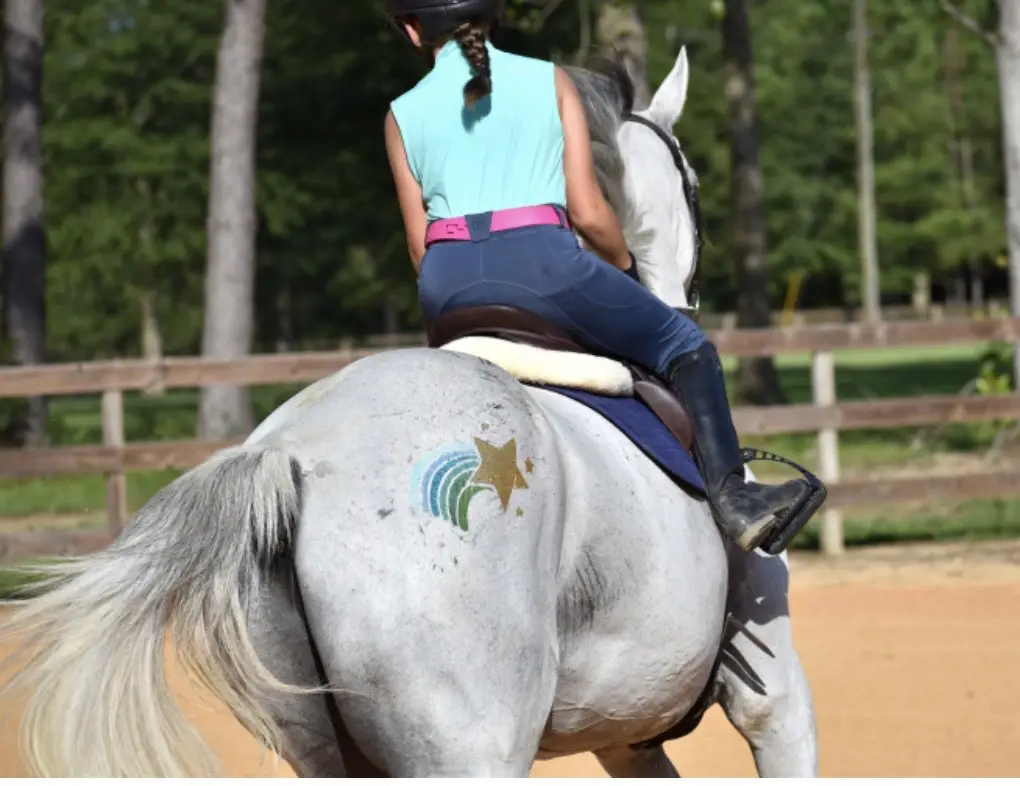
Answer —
93 643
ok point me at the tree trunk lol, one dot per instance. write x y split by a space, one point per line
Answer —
284 319
757 382
584 33
152 336
145 260
1008 61
977 284
977 290
866 220
620 29
24 253
959 295
962 154
921 299
225 410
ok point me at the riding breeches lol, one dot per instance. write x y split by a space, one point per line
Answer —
544 270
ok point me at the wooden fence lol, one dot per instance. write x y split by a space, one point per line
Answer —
825 416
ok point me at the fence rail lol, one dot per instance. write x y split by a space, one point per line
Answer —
825 415
59 379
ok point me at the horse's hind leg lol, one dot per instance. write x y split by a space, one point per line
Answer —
313 744
766 697
628 762
467 694
445 723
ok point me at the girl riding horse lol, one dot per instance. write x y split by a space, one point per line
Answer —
492 161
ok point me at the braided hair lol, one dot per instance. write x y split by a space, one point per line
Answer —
471 38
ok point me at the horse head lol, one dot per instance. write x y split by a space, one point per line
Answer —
645 175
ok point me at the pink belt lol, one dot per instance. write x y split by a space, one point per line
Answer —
500 221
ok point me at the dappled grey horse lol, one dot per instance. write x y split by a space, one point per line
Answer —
481 568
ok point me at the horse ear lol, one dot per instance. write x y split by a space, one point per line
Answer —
668 102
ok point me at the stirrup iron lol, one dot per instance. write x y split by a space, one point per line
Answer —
791 521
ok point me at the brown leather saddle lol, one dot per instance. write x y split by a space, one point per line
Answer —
523 327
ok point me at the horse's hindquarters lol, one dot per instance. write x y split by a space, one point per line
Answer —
427 557
643 590
476 557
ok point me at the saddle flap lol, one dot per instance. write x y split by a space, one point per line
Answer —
667 408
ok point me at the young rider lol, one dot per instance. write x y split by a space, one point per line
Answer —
491 155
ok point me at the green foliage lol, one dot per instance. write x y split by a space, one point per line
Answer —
128 89
804 64
974 520
995 376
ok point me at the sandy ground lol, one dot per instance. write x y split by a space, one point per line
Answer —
913 655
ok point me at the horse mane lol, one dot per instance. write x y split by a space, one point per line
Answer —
607 95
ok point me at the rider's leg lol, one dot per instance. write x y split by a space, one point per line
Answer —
747 511
544 270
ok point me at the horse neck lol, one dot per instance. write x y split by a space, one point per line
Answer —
665 251
660 225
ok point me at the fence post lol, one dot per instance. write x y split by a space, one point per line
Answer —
823 385
116 481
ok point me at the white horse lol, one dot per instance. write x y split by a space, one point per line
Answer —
484 572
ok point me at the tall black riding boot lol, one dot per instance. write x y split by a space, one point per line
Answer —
747 512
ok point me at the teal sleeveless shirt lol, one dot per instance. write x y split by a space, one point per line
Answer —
505 152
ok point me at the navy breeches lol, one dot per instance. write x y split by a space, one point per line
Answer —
544 270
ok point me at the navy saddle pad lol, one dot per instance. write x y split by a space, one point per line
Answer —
645 430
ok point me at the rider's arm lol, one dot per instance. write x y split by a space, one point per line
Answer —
412 206
589 212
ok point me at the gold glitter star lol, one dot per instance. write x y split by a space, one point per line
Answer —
498 468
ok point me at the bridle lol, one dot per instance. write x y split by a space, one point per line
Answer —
691 196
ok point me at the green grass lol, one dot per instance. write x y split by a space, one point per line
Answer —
981 519
83 494
10 582
15 581
864 374
76 420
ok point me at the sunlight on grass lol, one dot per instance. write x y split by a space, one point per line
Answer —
980 519
85 494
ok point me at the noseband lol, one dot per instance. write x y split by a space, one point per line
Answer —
691 196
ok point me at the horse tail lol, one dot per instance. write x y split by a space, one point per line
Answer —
188 567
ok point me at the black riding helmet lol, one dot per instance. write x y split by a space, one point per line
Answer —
438 17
